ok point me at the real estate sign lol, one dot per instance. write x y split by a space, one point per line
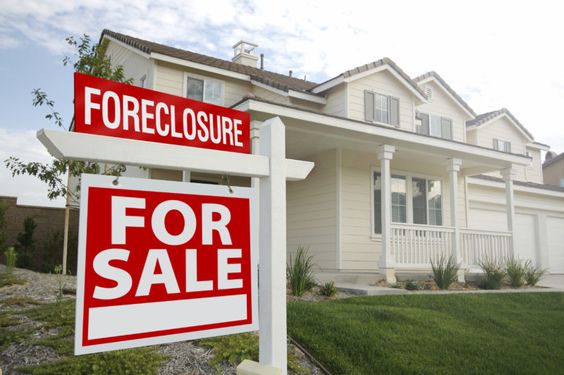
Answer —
163 261
115 109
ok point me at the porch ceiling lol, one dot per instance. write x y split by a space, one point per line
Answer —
308 133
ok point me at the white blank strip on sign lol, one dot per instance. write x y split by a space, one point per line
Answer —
122 320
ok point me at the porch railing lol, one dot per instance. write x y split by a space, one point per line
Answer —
477 245
413 245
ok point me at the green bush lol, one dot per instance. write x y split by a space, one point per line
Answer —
328 289
494 273
11 256
26 242
515 272
533 274
444 271
411 285
299 272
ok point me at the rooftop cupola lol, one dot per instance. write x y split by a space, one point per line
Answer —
244 54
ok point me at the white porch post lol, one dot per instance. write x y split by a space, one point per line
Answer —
387 262
508 175
453 169
272 248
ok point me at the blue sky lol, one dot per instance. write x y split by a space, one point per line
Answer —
494 54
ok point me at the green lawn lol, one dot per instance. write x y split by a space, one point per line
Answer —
434 334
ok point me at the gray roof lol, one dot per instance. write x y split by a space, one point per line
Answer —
375 64
522 183
485 117
279 81
447 87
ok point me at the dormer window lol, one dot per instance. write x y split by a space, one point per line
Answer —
435 126
204 89
501 145
381 108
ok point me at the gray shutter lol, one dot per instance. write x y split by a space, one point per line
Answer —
424 128
446 128
369 106
495 144
394 111
507 147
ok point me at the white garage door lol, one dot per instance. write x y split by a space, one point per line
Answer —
555 230
525 237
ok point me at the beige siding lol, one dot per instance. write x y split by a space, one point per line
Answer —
442 105
553 174
337 101
533 173
383 83
312 212
134 65
472 137
170 79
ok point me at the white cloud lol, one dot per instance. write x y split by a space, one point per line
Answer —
24 145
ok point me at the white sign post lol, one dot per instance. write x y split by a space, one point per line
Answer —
270 166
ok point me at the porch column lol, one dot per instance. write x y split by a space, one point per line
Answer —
508 175
387 262
453 169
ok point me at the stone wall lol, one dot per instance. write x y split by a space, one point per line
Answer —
48 243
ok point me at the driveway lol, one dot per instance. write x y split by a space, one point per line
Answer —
553 281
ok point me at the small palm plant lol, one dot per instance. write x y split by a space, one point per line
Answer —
445 271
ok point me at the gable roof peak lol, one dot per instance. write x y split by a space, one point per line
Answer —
484 118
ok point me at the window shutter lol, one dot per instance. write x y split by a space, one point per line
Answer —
495 145
369 106
394 111
424 127
446 125
507 146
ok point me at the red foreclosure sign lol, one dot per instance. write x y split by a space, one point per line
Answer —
115 109
163 261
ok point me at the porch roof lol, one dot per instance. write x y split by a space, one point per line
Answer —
309 132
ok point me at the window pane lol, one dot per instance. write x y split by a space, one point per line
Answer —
419 200
213 92
195 89
507 146
399 194
381 108
446 125
434 202
377 203
435 126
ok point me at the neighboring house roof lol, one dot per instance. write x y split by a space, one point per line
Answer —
434 75
553 160
485 118
276 80
521 183
366 69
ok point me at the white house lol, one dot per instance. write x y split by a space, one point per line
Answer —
405 170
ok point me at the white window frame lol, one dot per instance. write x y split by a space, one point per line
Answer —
206 81
503 142
409 197
441 117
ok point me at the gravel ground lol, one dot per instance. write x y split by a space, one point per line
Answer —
183 357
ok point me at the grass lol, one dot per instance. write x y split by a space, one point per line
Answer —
441 334
7 279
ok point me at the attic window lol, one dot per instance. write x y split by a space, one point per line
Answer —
381 108
501 145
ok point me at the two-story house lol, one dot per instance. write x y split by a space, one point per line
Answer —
405 170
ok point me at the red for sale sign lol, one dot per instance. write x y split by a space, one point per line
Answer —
163 261
114 109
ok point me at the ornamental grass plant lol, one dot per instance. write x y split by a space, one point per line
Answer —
445 271
299 272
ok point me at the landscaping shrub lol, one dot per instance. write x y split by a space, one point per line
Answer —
515 272
328 289
533 274
26 243
299 272
494 274
11 257
411 285
444 271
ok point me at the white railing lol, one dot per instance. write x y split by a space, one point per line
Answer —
413 246
477 245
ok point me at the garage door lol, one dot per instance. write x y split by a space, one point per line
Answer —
525 234
555 230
